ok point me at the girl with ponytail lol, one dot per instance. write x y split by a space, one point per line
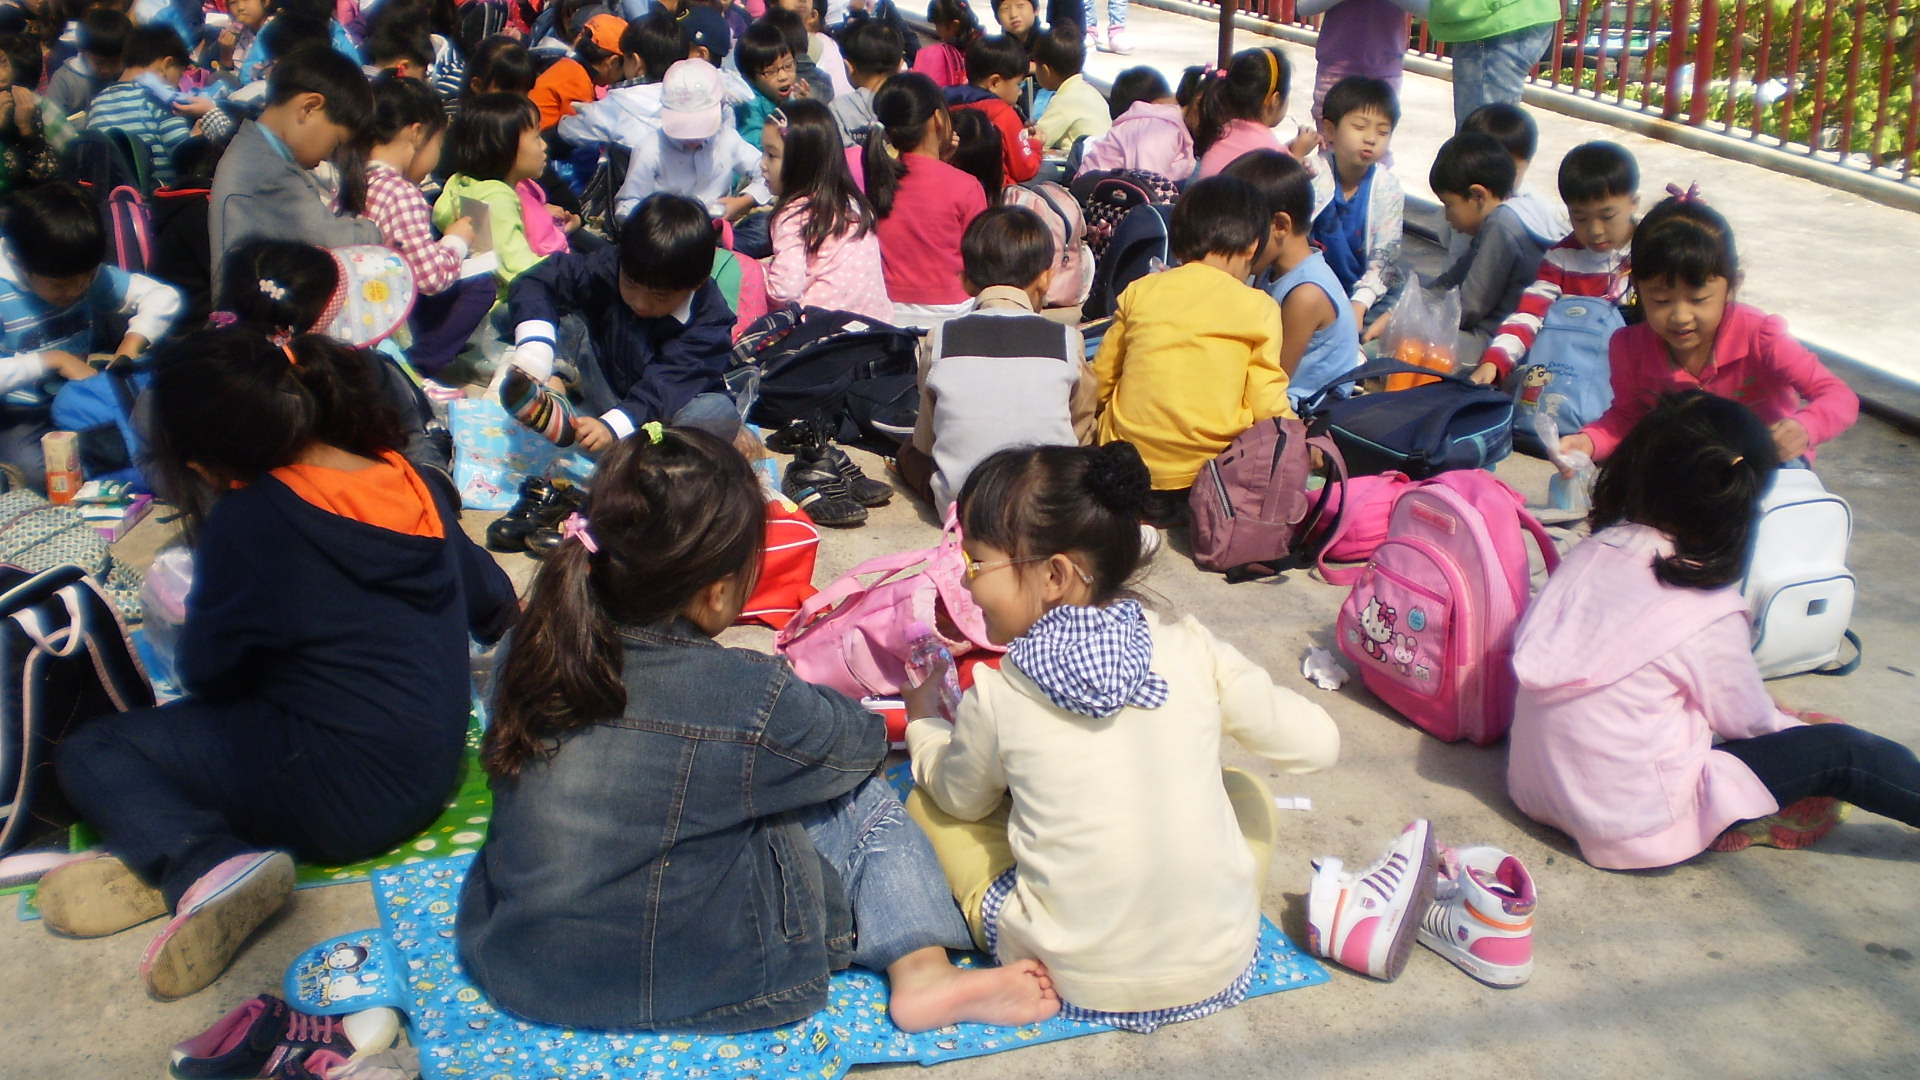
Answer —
1076 797
922 203
1638 654
324 655
1239 106
685 835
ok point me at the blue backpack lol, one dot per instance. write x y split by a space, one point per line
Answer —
1449 423
1139 247
101 409
1567 372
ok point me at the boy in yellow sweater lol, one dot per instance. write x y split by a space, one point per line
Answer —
1193 356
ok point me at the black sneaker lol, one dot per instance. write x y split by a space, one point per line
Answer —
862 488
542 504
822 492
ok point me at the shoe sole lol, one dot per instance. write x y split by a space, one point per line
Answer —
1498 976
96 897
1778 831
195 949
1406 931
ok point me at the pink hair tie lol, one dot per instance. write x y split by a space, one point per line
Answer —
575 527
1691 194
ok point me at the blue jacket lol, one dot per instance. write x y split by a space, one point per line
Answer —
117 303
653 871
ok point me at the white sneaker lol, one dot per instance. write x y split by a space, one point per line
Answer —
1118 41
1366 921
1482 916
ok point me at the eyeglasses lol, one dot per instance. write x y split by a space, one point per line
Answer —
975 567
784 67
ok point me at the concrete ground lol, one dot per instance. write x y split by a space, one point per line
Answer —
1761 964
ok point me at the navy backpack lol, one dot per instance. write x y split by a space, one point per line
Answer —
1567 373
1138 248
1450 423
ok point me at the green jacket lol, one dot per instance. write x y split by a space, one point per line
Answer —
1478 20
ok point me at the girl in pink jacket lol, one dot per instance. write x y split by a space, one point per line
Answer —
1149 130
1638 653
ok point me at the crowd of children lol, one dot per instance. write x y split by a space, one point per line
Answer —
686 835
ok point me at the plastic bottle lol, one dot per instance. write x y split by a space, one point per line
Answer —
925 650
1563 493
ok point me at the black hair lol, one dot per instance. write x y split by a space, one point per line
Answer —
153 43
873 47
1062 49
657 41
761 47
1040 501
1359 93
285 35
234 403
23 53
278 286
480 23
398 104
483 141
587 52
1132 86
1281 181
391 42
942 12
195 161
814 171
1193 83
318 69
103 32
1219 215
997 55
1472 158
55 231
1241 92
792 26
1694 468
667 243
1006 245
1508 123
668 519
1686 241
1597 170
501 64
977 151
904 107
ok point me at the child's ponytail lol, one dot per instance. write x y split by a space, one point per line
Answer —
1047 500
904 107
1240 92
666 520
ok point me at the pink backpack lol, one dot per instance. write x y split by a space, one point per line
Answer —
1073 259
1430 620
853 636
1355 522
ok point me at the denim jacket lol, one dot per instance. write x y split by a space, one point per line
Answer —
652 872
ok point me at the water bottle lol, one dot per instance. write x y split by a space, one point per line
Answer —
1573 494
925 651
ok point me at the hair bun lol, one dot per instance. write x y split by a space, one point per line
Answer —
1118 479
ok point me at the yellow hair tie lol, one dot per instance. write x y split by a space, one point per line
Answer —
654 431
1273 72
892 151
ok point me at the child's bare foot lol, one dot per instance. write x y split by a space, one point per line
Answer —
928 992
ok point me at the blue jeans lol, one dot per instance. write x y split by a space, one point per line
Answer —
900 898
1495 69
1116 13
1839 761
712 412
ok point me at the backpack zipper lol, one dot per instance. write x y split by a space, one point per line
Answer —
1220 489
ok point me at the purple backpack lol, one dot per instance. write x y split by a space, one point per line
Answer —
1252 513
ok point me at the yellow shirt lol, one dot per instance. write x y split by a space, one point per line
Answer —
1191 361
1076 109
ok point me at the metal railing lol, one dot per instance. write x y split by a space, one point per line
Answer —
1834 80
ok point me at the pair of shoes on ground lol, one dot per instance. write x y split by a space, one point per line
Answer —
100 895
1117 40
533 523
266 1037
1473 906
822 480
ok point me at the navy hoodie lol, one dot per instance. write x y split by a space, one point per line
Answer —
357 632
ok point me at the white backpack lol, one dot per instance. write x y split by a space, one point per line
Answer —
1797 583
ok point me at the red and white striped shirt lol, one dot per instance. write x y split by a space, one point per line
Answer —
1569 269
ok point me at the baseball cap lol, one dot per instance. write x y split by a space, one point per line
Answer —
701 25
606 30
690 100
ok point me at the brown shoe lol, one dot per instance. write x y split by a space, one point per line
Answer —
96 896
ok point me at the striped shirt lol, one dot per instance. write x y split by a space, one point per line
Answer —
128 107
1569 269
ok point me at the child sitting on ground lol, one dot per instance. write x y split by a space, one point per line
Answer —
1192 358
154 54
595 62
102 39
1237 108
1077 110
1001 376
630 113
731 845
767 62
657 332
693 152
1638 653
873 51
265 187
1149 130
808 79
60 301
284 460
995 68
1600 183
1319 338
825 251
955 29
1695 335
1473 177
924 204
1510 124
1076 798
497 154
1362 210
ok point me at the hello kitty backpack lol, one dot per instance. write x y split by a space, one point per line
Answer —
1431 617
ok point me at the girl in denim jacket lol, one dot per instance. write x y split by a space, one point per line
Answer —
685 835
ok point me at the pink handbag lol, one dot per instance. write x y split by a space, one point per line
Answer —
852 635
1357 513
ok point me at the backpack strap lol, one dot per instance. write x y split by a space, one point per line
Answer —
1549 552
1850 666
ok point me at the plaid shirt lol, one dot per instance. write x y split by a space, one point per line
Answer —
1090 660
397 206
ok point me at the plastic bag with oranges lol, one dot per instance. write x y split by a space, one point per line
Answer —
1424 332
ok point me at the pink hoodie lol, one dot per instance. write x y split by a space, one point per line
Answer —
1624 681
1150 137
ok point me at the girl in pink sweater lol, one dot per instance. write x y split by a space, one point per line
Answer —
1240 106
826 253
924 205
1638 653
1696 337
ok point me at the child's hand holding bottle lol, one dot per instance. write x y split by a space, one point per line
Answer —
935 690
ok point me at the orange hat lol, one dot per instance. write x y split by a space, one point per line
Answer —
605 30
